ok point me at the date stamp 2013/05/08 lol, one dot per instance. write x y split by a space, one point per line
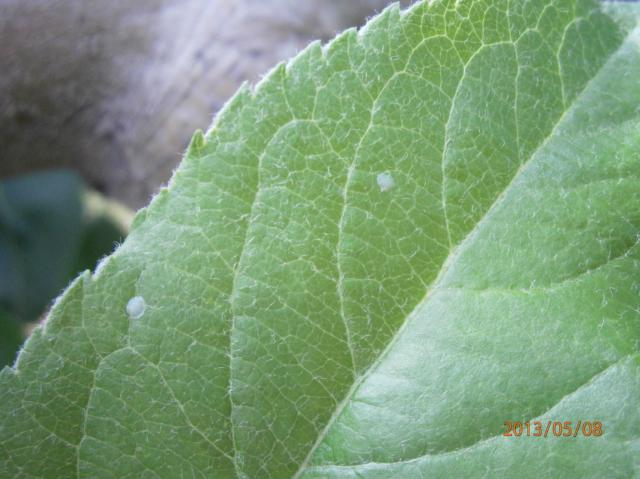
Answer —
553 429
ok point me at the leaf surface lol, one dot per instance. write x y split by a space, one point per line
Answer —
369 263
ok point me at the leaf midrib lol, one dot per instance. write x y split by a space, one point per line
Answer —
493 437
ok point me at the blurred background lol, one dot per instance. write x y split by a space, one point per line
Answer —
98 100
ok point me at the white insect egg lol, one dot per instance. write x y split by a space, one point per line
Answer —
136 307
385 181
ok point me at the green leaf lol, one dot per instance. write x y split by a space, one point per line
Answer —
39 214
369 263
48 234
11 337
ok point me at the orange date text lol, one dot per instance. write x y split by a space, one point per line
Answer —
553 428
